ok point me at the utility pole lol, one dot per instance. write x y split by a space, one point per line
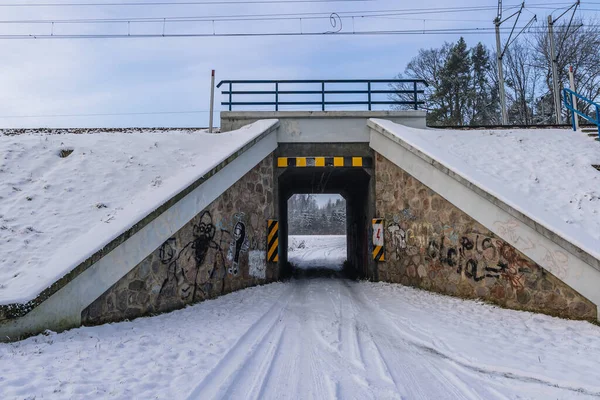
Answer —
501 51
500 70
554 64
554 57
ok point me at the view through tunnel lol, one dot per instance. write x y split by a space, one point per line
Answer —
316 233
325 210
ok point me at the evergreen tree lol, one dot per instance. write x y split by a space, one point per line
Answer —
485 102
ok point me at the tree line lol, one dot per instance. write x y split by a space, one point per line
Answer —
306 217
463 81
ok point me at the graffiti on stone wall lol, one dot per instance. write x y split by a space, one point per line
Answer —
557 261
183 267
190 269
398 242
507 263
239 244
473 255
478 256
257 265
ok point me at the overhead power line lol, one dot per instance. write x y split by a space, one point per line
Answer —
460 31
178 3
276 16
253 17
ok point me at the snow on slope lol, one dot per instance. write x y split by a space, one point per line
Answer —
314 339
544 173
55 212
317 251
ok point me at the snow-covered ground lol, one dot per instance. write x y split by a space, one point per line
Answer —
545 173
317 251
55 211
314 339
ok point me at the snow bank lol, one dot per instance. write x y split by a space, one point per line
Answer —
317 251
544 173
64 197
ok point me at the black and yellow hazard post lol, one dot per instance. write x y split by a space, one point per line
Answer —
272 240
378 242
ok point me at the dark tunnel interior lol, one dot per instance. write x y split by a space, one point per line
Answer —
354 184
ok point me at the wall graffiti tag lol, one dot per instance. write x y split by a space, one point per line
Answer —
474 255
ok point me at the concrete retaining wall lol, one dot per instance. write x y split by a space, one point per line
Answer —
534 272
433 245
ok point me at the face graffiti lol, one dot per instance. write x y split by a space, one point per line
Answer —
204 234
240 244
187 268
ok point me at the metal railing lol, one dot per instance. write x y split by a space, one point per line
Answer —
569 97
411 94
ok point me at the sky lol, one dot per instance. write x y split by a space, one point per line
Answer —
41 79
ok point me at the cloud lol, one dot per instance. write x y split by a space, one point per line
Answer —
167 74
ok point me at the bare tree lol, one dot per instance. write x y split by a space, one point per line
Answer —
427 65
578 46
522 82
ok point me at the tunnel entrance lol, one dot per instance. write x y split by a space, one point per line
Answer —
353 183
316 233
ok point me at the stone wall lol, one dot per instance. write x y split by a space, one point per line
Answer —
219 251
433 245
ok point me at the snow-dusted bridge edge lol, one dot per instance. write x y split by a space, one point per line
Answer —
570 255
115 253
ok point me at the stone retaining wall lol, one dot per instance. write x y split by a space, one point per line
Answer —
433 245
221 250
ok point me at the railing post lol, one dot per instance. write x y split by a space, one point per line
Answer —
230 86
598 119
416 96
369 90
573 114
322 96
276 96
569 107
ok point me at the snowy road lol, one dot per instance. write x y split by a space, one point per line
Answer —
317 251
314 339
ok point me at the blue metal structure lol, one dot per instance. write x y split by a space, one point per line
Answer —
414 90
568 101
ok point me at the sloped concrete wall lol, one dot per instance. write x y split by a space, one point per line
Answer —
61 306
220 250
433 245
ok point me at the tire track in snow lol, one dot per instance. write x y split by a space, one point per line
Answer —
421 380
219 380
254 372
298 370
479 369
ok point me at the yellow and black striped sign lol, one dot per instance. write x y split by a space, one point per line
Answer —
272 240
340 162
378 240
